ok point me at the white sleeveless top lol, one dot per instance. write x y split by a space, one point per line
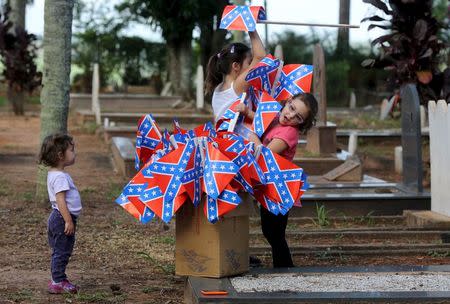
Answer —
221 100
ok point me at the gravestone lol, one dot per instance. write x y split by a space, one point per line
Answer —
411 138
322 137
95 94
200 96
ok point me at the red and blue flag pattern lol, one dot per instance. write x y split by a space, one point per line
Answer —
262 77
209 167
241 17
147 138
268 109
294 79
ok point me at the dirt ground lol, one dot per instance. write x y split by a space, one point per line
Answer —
116 259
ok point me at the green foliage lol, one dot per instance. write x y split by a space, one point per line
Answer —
438 254
168 269
21 296
17 53
321 216
366 219
411 48
343 74
96 297
98 37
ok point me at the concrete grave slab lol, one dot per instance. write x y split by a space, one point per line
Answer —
381 284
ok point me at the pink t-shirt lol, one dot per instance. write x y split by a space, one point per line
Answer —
288 134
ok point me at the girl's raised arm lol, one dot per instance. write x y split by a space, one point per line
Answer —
258 52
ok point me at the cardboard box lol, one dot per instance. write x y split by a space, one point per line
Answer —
212 250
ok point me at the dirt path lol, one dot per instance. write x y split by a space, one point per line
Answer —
116 259
109 244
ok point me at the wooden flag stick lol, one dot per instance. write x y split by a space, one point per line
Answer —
308 24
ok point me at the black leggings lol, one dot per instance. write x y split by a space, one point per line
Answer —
274 229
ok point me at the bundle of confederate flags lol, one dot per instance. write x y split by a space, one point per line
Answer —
214 163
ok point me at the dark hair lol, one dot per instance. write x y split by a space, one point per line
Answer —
52 145
220 64
311 103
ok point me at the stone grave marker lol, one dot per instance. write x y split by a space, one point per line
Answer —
411 138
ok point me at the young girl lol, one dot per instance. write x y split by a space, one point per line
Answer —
226 72
58 152
297 114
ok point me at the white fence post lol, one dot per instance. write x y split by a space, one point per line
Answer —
95 92
439 121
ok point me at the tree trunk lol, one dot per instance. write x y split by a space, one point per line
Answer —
17 15
343 34
17 100
56 72
180 68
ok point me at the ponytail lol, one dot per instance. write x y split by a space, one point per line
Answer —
213 76
220 64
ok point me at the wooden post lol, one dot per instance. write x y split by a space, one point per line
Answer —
321 139
320 84
95 92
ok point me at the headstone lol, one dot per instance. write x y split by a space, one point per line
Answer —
352 100
386 107
383 107
398 159
352 143
279 52
200 82
166 91
95 93
423 117
411 138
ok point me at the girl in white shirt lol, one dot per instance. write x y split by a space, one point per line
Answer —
226 72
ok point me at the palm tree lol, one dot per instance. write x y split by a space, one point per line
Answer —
56 72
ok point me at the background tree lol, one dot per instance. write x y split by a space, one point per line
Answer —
343 33
18 52
56 71
412 47
17 15
177 20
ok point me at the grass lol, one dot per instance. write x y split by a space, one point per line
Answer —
4 188
96 297
89 127
168 269
29 100
365 121
169 240
20 296
113 191
366 219
322 216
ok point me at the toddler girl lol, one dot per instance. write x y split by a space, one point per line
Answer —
58 152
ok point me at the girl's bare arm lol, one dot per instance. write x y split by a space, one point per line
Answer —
258 52
69 228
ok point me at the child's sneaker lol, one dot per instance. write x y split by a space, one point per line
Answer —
61 287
